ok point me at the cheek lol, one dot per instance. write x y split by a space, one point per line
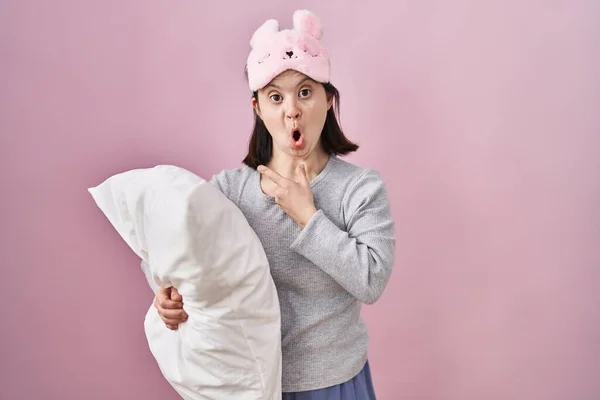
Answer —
272 121
318 116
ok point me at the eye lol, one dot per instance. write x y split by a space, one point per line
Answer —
276 98
305 93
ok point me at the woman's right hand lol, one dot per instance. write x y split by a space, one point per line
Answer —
169 304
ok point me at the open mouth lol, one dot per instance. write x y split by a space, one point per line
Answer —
297 138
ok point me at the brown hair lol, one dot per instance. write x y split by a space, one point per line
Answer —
333 140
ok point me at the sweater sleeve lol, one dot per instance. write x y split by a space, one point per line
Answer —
219 181
227 181
359 258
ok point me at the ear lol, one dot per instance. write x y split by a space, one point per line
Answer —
256 107
267 29
329 102
307 22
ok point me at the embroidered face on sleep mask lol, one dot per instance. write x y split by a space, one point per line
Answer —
300 49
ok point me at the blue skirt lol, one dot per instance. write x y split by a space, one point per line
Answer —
358 388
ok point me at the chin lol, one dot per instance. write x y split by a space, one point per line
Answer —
303 152
297 152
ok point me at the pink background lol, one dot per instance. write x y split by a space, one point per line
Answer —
483 117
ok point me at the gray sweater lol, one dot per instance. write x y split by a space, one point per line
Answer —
324 273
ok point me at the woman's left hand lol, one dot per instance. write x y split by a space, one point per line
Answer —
294 197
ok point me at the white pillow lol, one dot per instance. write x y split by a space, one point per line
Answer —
193 238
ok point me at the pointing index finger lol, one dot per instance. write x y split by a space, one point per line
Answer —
272 175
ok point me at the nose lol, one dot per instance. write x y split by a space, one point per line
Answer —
292 110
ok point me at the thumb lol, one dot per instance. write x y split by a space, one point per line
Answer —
162 294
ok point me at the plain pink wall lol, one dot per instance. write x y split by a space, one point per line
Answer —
483 117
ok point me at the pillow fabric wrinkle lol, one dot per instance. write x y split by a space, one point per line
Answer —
190 236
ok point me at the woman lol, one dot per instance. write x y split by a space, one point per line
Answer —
325 224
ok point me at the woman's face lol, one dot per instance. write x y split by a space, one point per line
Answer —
293 107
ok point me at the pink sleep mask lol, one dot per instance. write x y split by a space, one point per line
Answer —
300 49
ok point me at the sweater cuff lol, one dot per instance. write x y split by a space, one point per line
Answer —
311 241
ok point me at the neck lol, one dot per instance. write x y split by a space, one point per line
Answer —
286 165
